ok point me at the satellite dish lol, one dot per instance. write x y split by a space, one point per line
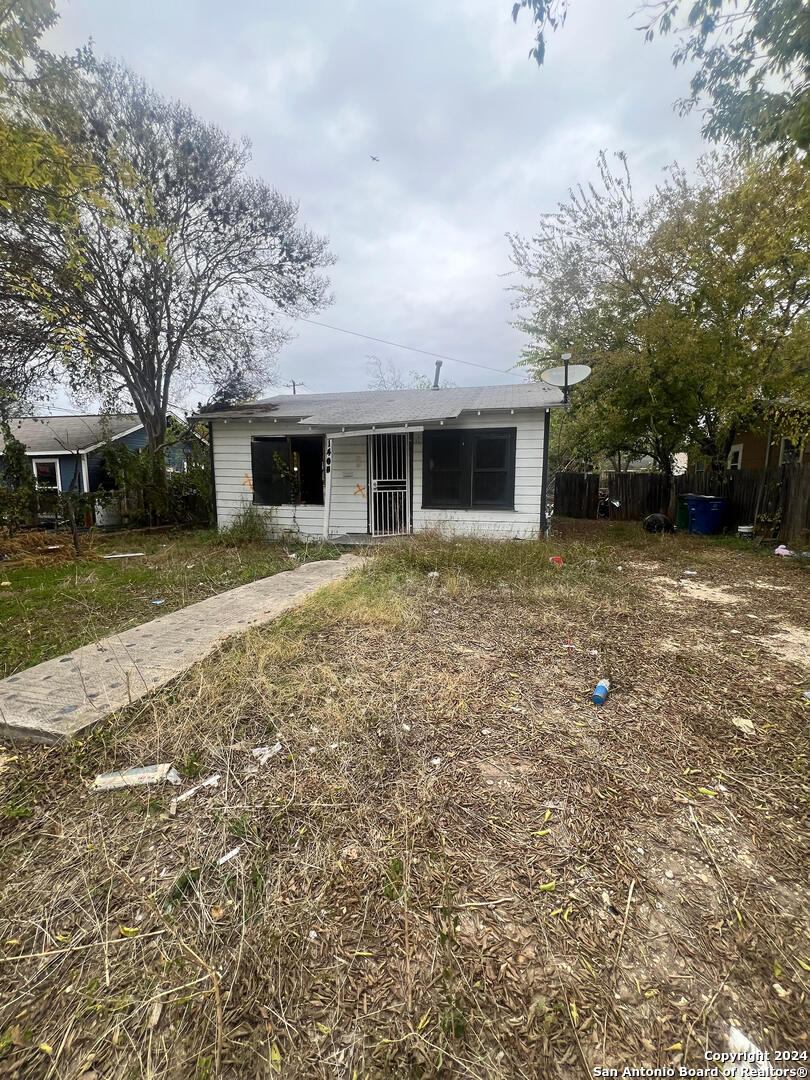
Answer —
557 376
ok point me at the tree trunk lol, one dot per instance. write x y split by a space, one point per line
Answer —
71 510
155 489
74 529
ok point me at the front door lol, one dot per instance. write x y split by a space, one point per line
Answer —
390 484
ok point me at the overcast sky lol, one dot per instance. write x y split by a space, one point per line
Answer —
474 141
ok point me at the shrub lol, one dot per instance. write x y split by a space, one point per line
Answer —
250 526
17 489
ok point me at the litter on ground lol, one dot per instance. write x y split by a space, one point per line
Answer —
601 692
142 774
126 555
264 753
744 724
212 781
229 855
747 1058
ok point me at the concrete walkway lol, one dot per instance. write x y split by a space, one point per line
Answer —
61 698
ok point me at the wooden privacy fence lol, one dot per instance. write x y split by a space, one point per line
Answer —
744 490
776 497
576 495
796 503
638 494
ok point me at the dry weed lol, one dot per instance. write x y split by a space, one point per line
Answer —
456 866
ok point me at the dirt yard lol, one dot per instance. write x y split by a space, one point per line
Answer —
456 865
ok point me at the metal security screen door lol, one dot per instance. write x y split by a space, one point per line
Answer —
390 481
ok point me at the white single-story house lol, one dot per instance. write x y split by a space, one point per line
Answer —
463 460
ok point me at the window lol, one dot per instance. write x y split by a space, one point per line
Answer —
788 453
287 470
468 469
735 456
46 474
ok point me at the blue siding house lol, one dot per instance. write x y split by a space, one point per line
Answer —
66 452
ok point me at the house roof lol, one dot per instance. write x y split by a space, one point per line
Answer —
68 434
393 406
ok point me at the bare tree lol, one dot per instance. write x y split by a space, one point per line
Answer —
184 261
385 375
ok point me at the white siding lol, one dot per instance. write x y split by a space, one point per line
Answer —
524 520
233 474
349 508
232 466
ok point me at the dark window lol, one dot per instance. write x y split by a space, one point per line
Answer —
287 470
789 453
469 469
444 460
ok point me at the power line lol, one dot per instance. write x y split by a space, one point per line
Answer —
410 348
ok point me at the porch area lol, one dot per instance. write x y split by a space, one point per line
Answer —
360 540
374 469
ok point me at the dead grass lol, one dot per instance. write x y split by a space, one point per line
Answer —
457 866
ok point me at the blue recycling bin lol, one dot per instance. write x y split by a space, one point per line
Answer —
705 513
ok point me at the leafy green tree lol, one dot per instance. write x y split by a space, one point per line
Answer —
25 375
42 173
184 260
17 489
753 66
547 15
751 57
692 306
38 166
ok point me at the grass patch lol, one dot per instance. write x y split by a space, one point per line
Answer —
56 603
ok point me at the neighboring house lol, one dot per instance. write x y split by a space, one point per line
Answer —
466 460
759 446
751 451
66 452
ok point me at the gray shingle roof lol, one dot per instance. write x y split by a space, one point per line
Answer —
394 406
67 434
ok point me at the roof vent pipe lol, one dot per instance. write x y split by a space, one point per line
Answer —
436 376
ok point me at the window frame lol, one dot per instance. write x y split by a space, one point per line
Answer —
736 448
469 439
786 446
57 473
287 441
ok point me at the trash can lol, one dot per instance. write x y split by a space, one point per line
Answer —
705 514
681 513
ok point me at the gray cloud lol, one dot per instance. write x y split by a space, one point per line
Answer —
474 141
